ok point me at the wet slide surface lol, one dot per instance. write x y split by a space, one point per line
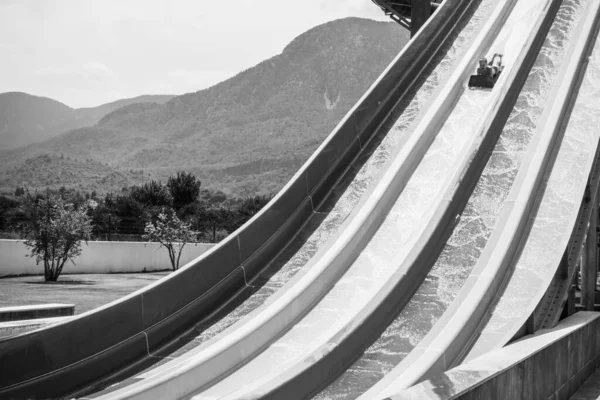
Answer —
557 213
330 215
473 229
375 265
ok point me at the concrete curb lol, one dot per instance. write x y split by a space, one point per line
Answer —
36 311
17 327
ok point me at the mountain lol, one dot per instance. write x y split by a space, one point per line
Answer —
93 114
249 133
27 119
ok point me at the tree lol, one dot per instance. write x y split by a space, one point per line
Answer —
130 213
152 194
103 217
252 205
8 208
184 188
171 233
55 233
217 197
216 216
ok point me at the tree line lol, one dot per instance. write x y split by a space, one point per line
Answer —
212 215
174 214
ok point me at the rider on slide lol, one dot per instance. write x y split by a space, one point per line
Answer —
492 68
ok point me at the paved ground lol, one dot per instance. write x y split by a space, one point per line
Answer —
85 291
590 389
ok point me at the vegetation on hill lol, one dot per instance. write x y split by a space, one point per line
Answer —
54 171
124 215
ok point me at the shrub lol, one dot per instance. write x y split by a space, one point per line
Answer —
55 234
152 194
171 233
184 189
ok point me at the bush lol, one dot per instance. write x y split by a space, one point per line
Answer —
171 233
184 189
252 205
152 194
55 234
9 208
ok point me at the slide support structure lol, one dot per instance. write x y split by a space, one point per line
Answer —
590 264
420 13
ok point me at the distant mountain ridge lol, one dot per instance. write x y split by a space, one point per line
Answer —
27 119
245 135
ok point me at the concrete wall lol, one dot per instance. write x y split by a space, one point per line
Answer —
37 311
14 328
552 364
98 257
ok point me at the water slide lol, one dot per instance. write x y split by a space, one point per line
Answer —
504 202
411 224
131 332
215 357
564 209
496 223
529 290
387 269
397 256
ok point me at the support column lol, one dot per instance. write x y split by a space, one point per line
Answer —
590 265
571 301
564 265
420 13
530 325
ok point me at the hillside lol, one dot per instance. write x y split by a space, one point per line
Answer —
249 133
93 114
27 119
54 171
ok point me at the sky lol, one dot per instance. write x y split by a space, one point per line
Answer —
88 52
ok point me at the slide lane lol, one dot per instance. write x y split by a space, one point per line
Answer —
328 218
549 310
553 223
444 344
388 258
65 357
470 235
